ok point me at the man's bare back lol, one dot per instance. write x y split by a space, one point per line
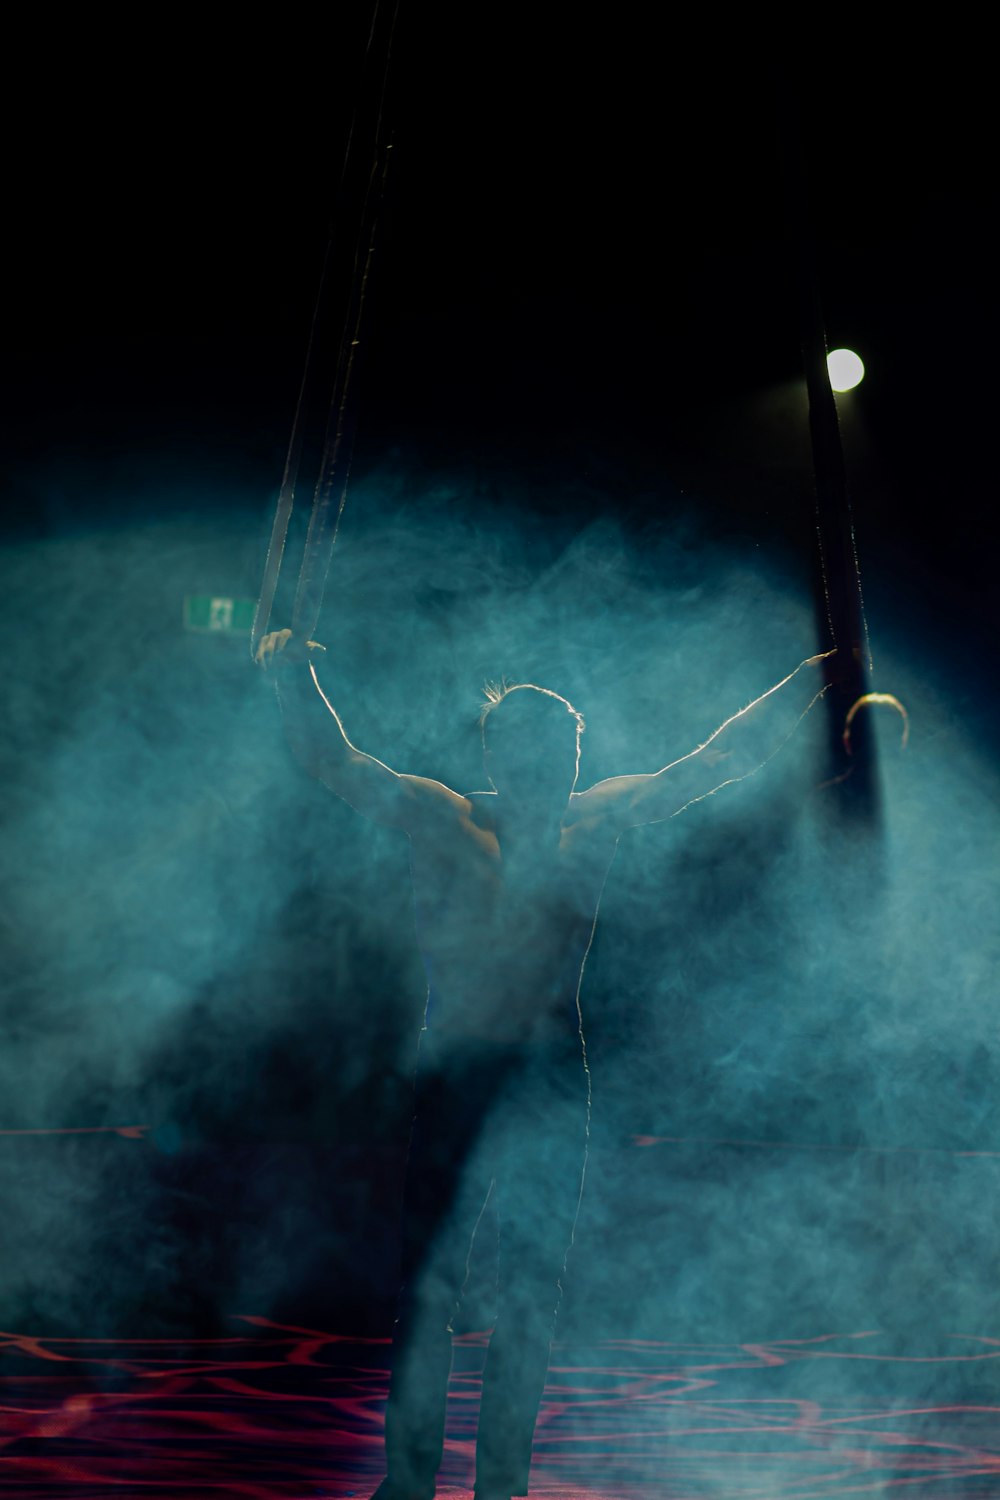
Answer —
505 917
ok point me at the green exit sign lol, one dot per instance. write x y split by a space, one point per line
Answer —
218 614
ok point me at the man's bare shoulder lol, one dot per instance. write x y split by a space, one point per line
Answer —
430 807
447 813
434 794
590 826
599 804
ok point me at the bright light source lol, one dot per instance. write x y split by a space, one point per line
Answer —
846 369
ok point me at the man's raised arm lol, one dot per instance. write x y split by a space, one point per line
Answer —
318 742
738 747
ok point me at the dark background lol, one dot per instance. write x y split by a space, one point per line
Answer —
583 307
588 255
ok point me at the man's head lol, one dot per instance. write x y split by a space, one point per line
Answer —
531 743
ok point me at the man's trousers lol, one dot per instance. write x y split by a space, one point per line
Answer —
514 1118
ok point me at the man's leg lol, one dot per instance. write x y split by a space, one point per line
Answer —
539 1184
447 1183
422 1355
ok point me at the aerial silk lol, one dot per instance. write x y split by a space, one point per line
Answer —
840 607
359 198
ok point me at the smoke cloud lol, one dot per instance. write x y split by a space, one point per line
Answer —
202 941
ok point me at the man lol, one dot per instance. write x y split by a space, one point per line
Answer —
507 885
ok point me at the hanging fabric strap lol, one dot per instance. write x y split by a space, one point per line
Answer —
366 156
338 445
840 610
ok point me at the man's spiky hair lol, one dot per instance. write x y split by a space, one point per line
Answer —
494 694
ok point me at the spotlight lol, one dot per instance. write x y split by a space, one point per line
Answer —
846 369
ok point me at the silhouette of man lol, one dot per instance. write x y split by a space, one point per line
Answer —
507 885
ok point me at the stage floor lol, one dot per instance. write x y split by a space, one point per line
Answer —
289 1413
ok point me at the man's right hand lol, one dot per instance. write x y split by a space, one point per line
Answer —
281 646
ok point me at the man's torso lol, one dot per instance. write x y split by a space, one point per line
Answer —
504 922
